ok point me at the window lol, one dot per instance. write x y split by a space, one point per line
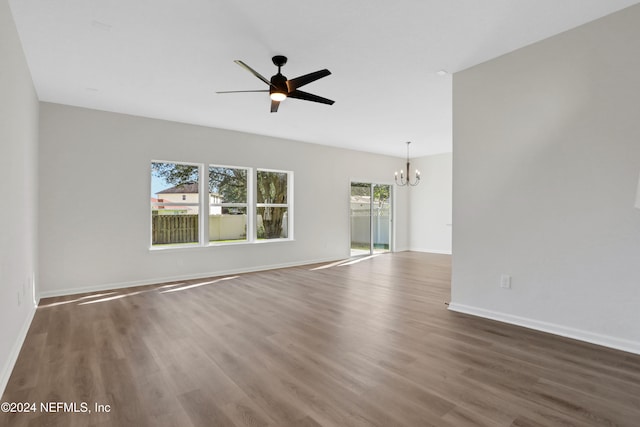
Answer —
235 205
272 209
227 204
175 210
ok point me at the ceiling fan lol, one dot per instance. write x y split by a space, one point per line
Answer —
280 88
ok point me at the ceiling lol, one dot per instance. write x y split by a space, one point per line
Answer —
166 59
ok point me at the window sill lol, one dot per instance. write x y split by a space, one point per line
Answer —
262 241
215 245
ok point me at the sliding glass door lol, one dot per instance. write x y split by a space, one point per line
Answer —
381 218
360 206
370 211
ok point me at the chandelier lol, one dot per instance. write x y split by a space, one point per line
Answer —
402 181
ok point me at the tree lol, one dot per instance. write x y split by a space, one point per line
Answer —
381 193
229 183
272 189
175 174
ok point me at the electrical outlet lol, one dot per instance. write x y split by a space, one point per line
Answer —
505 281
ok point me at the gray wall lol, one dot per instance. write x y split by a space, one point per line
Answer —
545 169
18 168
430 205
95 188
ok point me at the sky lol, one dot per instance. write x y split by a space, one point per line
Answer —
158 184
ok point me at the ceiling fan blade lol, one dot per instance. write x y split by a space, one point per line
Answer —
274 106
252 71
241 91
298 94
294 84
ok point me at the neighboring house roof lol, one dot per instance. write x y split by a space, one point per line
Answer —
189 188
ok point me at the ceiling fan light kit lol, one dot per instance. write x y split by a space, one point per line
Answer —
278 96
280 88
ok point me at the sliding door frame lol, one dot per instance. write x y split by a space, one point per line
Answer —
392 214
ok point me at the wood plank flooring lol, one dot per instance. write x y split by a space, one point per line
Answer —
360 344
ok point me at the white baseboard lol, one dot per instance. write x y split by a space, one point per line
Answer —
7 369
552 328
157 280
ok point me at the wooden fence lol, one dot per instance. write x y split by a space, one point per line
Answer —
167 229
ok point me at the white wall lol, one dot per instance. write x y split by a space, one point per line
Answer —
545 169
18 167
88 240
430 205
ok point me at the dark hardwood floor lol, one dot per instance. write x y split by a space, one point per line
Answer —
365 344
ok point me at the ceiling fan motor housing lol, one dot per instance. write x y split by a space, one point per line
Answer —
279 84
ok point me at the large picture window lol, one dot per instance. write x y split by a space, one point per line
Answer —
234 205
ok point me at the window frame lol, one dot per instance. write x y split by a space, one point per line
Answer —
198 204
288 206
246 205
